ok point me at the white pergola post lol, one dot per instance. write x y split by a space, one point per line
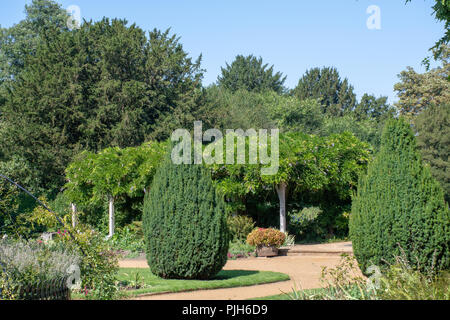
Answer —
281 190
111 216
74 215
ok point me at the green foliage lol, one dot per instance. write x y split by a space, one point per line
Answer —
99 264
433 139
292 114
21 40
308 165
249 73
40 219
241 249
335 95
371 107
130 238
306 161
367 130
304 221
399 282
402 282
240 226
8 207
125 174
400 205
184 224
241 109
417 91
289 240
30 263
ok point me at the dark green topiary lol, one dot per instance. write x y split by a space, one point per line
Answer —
400 207
184 224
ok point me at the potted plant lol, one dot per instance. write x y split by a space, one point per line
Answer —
267 241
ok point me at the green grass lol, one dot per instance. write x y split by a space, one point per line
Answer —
225 279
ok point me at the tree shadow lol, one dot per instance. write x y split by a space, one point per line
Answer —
230 274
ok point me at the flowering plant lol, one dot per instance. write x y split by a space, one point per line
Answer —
99 264
266 237
30 263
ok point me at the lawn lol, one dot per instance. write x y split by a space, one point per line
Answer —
225 279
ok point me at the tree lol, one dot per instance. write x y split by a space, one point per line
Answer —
367 130
399 209
184 223
244 109
306 163
21 40
104 85
111 174
325 84
251 74
371 107
224 109
294 115
433 139
418 91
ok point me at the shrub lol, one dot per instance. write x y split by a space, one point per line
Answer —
30 263
8 207
99 264
266 237
398 282
128 239
240 250
402 282
289 240
184 223
400 205
305 221
240 227
343 282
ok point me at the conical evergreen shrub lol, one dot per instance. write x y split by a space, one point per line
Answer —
184 221
399 208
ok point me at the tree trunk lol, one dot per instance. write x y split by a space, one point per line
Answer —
74 216
111 216
281 190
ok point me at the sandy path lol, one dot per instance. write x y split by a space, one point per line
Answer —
304 271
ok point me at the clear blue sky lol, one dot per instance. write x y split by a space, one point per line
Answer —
293 35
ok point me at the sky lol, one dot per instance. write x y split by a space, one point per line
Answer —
292 35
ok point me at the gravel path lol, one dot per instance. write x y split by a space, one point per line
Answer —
304 267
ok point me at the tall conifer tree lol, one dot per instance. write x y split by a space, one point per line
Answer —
400 207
